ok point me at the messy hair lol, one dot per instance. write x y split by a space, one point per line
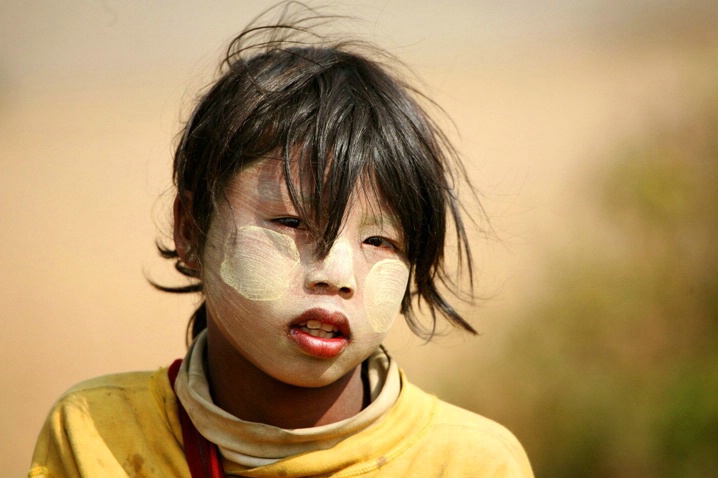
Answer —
338 112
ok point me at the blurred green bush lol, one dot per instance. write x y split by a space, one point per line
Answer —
613 370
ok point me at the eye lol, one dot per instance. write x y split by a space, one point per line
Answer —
382 242
290 222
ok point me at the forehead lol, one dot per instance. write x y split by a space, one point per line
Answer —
264 181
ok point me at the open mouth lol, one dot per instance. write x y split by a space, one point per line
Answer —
321 333
316 328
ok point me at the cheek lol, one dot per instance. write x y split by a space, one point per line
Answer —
258 263
384 289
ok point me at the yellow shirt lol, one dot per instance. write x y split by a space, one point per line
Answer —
127 425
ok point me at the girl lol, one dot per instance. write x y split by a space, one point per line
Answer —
313 196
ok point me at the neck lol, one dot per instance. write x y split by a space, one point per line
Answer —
245 391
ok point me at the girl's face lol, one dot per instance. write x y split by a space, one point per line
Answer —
302 320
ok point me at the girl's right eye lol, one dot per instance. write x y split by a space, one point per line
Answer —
290 222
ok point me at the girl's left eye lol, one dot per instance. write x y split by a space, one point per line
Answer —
377 241
290 222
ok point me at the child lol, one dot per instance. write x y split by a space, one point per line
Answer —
313 196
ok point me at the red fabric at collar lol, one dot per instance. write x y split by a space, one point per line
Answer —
202 455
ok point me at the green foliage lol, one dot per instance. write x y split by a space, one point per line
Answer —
613 372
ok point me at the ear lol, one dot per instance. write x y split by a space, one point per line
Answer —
185 244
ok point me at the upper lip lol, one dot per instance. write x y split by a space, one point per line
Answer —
335 318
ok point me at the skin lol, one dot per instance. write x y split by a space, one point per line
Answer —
260 275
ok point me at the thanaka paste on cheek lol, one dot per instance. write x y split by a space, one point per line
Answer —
259 263
384 289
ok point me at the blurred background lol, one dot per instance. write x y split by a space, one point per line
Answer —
589 127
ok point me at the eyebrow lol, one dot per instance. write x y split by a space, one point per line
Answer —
281 194
379 220
272 191
273 188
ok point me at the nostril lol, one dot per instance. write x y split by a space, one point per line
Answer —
345 290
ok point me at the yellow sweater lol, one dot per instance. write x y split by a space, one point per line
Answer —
127 425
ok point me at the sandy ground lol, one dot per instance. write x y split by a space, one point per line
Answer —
91 95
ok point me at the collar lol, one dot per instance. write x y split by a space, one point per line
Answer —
250 444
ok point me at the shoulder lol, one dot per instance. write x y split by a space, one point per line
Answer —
133 381
473 429
120 415
462 436
132 391
108 399
461 423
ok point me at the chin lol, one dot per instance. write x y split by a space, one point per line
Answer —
316 375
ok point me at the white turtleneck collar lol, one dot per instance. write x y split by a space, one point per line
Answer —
251 444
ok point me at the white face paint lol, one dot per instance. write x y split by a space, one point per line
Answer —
302 320
260 264
384 289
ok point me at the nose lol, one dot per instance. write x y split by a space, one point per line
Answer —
335 273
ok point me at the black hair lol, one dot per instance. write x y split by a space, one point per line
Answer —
337 110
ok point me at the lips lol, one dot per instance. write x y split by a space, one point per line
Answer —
320 333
